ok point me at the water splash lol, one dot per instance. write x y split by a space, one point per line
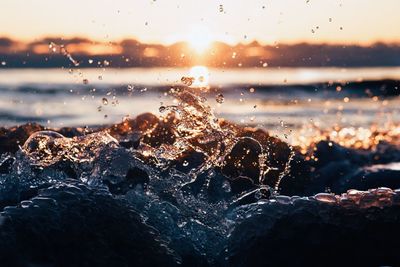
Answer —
184 205
197 128
63 51
46 148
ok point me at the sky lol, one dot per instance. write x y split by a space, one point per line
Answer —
231 21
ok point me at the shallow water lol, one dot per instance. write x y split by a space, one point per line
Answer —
293 97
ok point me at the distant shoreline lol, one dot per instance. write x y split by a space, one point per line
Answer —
84 53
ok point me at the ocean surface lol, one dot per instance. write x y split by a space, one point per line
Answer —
267 97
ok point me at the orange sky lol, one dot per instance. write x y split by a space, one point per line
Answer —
200 22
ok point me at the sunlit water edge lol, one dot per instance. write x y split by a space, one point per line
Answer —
217 76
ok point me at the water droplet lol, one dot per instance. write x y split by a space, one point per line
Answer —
162 109
226 186
220 98
85 81
105 101
187 80
185 163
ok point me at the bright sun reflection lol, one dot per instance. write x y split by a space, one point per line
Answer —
199 39
200 75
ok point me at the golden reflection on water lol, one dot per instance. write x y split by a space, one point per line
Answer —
201 76
352 137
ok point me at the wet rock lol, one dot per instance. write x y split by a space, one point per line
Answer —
326 198
309 232
162 133
297 181
152 130
366 179
6 162
9 193
141 123
242 184
74 225
331 177
328 152
71 132
119 169
11 139
199 214
278 153
243 160
189 160
385 153
130 140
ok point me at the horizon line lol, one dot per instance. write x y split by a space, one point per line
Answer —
250 41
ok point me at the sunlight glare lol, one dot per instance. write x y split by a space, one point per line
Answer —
201 76
199 39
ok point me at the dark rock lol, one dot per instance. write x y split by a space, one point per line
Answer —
366 179
71 132
315 234
11 139
241 184
130 141
328 152
6 163
162 133
331 176
298 179
73 225
243 160
189 160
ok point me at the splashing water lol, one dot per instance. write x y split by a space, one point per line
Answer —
63 51
46 147
198 129
191 203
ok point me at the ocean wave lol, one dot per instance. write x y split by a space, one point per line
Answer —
383 88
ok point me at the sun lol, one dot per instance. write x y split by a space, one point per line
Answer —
199 39
200 76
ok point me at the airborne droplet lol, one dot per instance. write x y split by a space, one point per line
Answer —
187 80
220 98
105 101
